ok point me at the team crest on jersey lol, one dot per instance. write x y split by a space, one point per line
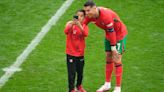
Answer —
74 31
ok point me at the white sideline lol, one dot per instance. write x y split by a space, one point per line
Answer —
9 71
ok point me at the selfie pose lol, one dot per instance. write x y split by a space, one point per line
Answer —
76 32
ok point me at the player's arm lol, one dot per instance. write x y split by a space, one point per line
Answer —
85 32
68 27
83 28
111 31
109 23
113 43
79 25
112 38
86 20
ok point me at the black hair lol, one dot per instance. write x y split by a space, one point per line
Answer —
89 3
81 10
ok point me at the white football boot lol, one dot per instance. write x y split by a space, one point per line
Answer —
105 87
117 89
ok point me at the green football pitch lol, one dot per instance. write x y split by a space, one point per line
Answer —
44 70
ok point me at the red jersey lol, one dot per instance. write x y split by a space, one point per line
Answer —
108 19
75 40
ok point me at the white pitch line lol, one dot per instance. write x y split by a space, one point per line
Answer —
9 71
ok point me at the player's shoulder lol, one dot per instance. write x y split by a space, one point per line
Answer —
104 12
104 8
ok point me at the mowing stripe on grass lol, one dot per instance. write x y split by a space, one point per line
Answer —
9 71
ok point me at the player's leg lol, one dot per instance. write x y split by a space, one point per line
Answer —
79 69
118 65
108 68
71 72
118 73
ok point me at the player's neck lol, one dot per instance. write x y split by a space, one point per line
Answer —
97 13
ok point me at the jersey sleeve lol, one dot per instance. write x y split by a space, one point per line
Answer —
109 21
85 32
86 20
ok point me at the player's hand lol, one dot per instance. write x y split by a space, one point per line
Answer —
71 22
76 21
115 56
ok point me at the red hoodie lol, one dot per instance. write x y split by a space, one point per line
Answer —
75 40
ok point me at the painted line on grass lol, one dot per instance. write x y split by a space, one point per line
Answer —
9 71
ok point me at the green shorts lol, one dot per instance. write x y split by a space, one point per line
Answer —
121 45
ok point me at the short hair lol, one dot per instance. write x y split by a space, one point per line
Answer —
89 3
81 10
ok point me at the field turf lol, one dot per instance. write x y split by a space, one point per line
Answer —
45 68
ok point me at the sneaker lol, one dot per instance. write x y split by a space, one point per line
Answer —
104 88
117 89
81 89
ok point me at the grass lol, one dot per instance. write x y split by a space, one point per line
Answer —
20 21
45 68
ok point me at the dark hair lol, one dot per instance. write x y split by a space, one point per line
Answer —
81 10
89 3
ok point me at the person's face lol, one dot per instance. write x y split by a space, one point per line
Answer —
80 16
90 11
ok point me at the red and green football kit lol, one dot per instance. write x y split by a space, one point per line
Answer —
115 34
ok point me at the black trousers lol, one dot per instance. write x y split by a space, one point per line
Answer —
75 66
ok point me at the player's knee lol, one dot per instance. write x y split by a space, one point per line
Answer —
118 64
109 62
108 53
108 57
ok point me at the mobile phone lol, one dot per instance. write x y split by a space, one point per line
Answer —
75 16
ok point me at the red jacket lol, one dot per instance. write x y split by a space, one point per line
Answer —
75 40
108 19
